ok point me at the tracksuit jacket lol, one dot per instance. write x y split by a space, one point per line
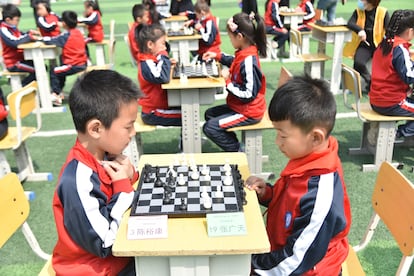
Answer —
152 72
94 24
210 35
308 217
391 75
247 85
88 208
48 25
11 37
272 17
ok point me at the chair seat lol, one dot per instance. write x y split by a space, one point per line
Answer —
140 126
103 42
265 123
9 74
314 57
370 115
10 140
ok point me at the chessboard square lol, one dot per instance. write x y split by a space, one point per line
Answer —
145 196
146 191
216 178
163 170
167 208
217 200
177 200
180 195
193 201
228 189
231 207
156 202
193 207
142 209
215 173
158 190
143 202
157 196
204 183
182 169
193 189
194 183
219 207
230 200
215 183
180 189
146 185
193 195
153 209
214 167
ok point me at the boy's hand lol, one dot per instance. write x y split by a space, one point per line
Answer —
209 56
119 168
257 184
225 73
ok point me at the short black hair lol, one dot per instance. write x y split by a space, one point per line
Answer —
70 18
10 11
99 94
306 102
138 10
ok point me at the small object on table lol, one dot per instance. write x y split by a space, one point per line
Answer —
204 193
195 174
172 171
181 180
207 202
205 170
167 198
183 205
158 181
227 180
219 192
227 166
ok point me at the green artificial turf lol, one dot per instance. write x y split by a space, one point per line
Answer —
49 153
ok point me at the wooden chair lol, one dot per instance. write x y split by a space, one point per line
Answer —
252 135
378 131
100 47
22 103
14 211
393 203
15 78
314 63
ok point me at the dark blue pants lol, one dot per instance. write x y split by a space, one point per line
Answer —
24 66
405 109
59 73
280 37
220 118
162 117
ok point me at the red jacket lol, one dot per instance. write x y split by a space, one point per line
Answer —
247 83
308 217
88 209
210 36
48 25
95 28
391 75
133 45
152 72
272 16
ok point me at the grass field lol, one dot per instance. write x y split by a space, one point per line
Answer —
16 258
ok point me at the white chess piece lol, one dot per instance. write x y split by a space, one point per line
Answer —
172 171
207 177
204 193
205 170
227 180
219 192
227 166
195 174
207 202
181 180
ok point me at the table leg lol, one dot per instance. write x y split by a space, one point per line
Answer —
336 62
322 50
100 54
42 78
190 110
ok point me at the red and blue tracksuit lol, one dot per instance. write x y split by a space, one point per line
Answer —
73 58
88 208
245 103
308 217
48 25
210 36
152 72
13 57
391 78
95 28
274 24
309 17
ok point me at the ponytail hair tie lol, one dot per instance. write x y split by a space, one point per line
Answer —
232 26
252 17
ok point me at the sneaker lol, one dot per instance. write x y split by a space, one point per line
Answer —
399 137
242 147
275 45
56 99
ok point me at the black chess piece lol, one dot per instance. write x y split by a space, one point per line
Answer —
183 206
167 197
158 181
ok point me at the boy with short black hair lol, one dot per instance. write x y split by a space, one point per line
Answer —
11 37
95 183
308 211
73 58
141 16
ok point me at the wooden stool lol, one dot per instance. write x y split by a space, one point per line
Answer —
15 78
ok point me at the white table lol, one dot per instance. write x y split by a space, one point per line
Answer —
337 35
190 96
38 52
188 250
293 19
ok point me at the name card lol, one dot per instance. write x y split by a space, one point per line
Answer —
226 224
147 227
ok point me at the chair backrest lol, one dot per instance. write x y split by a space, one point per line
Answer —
296 39
351 82
284 76
23 102
112 29
14 206
393 201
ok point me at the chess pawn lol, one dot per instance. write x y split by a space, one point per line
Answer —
183 78
204 193
207 202
227 166
227 180
204 69
205 170
207 177
195 175
219 192
181 180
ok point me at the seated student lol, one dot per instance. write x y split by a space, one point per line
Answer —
73 58
368 23
11 37
154 15
307 7
275 27
141 16
181 7
93 21
47 21
308 210
393 72
245 82
94 188
206 25
154 69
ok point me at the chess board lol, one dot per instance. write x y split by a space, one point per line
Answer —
196 70
180 32
149 199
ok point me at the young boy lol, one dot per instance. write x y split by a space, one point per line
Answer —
11 37
73 58
141 16
95 183
308 212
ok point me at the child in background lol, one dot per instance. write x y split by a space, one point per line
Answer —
308 210
154 15
93 21
393 72
154 69
73 58
11 37
206 25
307 7
94 188
47 21
245 82
181 7
368 23
274 26
141 16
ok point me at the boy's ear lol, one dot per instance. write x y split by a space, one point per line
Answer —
318 136
94 128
